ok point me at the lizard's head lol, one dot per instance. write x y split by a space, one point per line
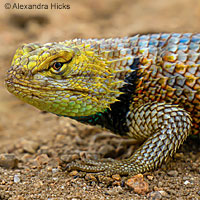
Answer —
63 79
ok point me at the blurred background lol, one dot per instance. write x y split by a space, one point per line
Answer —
82 19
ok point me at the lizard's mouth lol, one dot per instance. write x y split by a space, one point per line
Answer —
63 101
20 86
15 82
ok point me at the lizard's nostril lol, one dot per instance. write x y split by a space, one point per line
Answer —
22 71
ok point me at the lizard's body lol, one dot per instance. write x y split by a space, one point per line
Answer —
147 87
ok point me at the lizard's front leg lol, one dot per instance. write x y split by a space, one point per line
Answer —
162 127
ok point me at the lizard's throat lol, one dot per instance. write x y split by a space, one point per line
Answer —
114 118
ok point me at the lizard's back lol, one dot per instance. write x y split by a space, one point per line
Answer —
169 67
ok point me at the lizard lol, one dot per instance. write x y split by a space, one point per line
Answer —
146 87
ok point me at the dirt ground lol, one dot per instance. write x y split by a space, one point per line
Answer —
39 140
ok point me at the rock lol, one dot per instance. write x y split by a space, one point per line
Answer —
105 180
28 146
186 182
44 149
90 177
138 184
59 138
8 161
73 173
67 158
55 170
42 159
75 157
150 177
38 184
116 177
163 193
160 184
115 191
117 183
154 195
155 188
26 157
16 178
178 155
172 191
107 151
172 173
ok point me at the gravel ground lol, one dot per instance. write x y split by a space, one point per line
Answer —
33 144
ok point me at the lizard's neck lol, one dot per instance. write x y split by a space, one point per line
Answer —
114 118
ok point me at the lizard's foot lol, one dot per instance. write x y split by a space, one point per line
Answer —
163 126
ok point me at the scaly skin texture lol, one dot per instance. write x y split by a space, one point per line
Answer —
146 87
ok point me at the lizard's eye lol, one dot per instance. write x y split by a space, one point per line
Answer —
57 68
57 65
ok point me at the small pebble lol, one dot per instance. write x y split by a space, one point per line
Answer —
38 184
8 161
155 188
138 184
186 182
16 178
26 157
115 191
54 170
60 138
160 184
172 173
116 177
42 159
75 156
49 168
150 177
154 195
28 145
90 177
107 151
172 191
73 173
178 155
116 183
163 193
105 180
185 178
62 187
67 158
